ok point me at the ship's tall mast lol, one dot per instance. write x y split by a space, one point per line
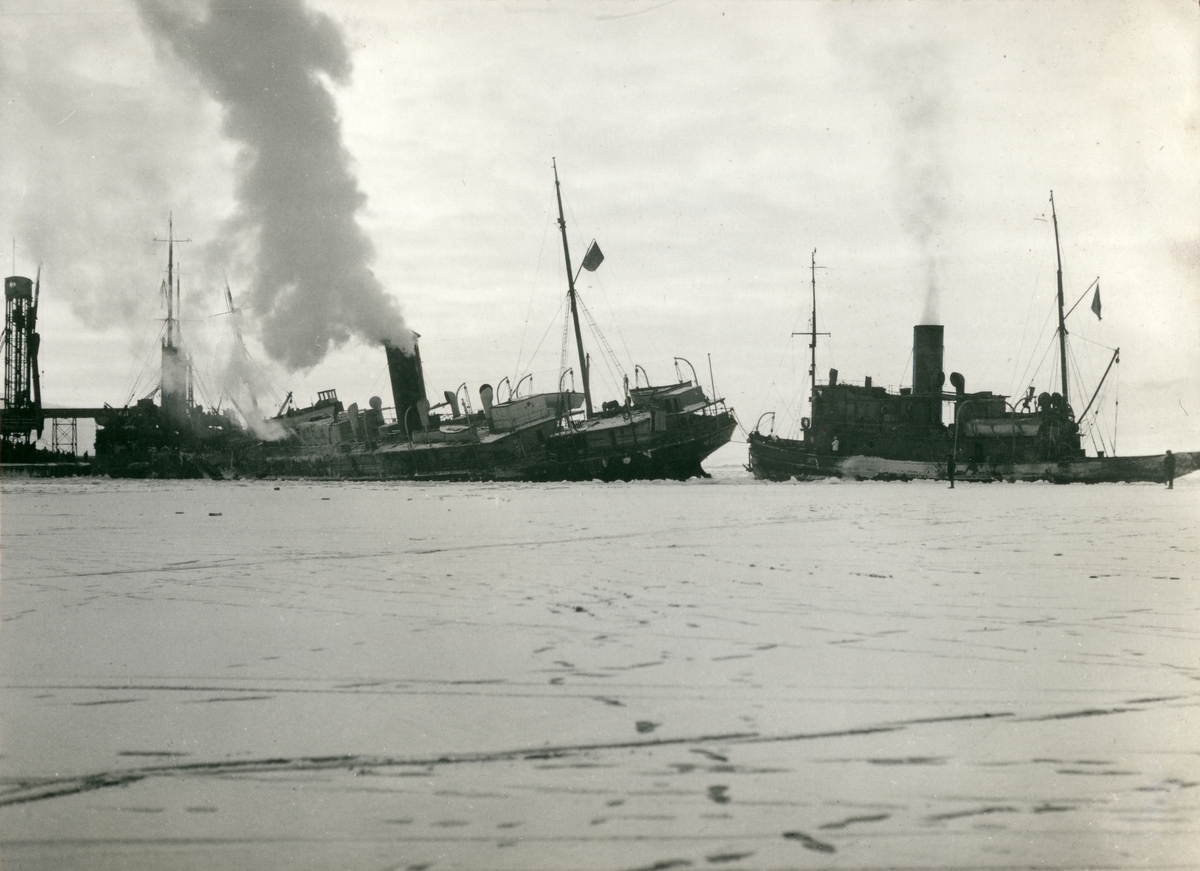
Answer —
1062 321
175 385
583 363
170 281
812 334
812 345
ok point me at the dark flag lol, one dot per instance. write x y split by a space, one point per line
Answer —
1096 302
593 258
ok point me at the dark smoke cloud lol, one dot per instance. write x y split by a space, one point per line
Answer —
297 199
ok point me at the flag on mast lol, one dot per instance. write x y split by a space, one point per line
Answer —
593 258
1096 302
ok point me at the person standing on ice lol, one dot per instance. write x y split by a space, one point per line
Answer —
951 467
1169 469
835 444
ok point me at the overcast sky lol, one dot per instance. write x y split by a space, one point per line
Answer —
394 168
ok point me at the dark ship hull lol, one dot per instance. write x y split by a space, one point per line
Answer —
777 459
647 459
153 441
660 433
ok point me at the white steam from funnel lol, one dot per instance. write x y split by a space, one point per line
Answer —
297 199
914 79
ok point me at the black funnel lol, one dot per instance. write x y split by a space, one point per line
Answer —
408 383
927 359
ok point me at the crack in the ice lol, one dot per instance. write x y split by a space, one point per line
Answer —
343 557
29 790
1085 712
849 821
983 811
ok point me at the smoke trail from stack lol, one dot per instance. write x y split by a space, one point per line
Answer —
312 288
915 80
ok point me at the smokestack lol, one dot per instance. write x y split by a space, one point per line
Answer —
927 359
408 382
928 376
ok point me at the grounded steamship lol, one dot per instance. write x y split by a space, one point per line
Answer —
655 431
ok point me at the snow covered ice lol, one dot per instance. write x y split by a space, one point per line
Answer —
715 674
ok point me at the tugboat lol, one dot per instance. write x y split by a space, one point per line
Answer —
654 431
867 433
177 438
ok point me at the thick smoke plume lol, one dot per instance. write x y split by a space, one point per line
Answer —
312 288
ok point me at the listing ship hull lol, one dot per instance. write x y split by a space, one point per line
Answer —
639 445
636 451
662 433
630 459
657 431
777 459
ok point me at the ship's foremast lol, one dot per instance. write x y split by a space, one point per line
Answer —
812 343
583 362
1062 318
176 382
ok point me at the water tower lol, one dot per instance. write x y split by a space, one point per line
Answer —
22 414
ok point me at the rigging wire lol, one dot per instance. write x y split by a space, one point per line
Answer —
1116 407
1024 381
612 314
199 384
1041 363
773 384
904 373
562 363
591 320
533 293
145 363
1033 298
549 327
138 364
1092 342
601 338
610 359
